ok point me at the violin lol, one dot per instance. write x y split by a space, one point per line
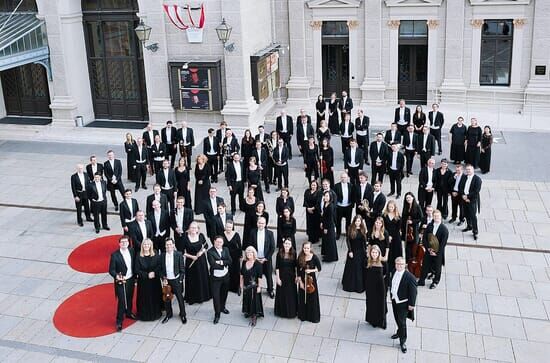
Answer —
415 264
310 286
410 232
167 294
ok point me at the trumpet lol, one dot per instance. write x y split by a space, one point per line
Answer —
269 145
366 206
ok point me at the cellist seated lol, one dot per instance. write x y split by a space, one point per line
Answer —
434 240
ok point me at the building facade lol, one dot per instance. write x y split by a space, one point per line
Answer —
61 59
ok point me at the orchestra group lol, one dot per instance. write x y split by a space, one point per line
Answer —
164 252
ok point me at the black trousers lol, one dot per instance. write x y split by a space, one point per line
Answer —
353 174
220 288
341 213
112 188
267 270
402 128
124 294
424 198
302 145
395 180
345 143
237 190
377 172
265 176
177 290
457 203
429 264
170 196
188 153
171 151
424 157
100 209
409 155
312 170
470 212
287 138
442 203
363 143
213 165
159 242
141 174
282 172
83 203
400 315
157 165
437 136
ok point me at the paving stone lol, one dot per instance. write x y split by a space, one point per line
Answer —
213 354
351 352
461 321
277 343
525 351
435 340
498 349
537 330
508 327
457 343
306 347
503 305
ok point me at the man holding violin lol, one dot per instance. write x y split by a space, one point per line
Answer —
172 273
434 240
121 268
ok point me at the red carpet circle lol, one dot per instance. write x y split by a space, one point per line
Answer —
93 256
89 313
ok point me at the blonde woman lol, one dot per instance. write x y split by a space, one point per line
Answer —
392 223
251 279
380 237
375 290
197 277
149 290
202 183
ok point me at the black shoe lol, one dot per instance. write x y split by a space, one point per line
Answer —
459 223
89 219
107 228
239 292
475 236
233 212
452 220
467 229
165 320
389 195
136 189
267 191
183 320
433 285
404 348
97 230
81 224
216 320
131 316
368 163
144 187
430 276
119 327
278 189
398 196
421 283
272 294
395 336
116 208
225 311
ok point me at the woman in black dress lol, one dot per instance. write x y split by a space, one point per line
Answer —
313 218
352 279
182 181
250 202
380 237
333 123
392 223
251 222
329 250
149 290
320 107
457 140
129 146
202 183
286 228
419 120
286 296
251 278
311 160
247 146
197 278
308 303
473 143
232 241
485 157
411 216
323 132
284 200
327 162
375 288
254 177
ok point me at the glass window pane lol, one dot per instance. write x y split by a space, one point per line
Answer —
486 74
406 28
420 28
502 73
95 39
117 38
335 28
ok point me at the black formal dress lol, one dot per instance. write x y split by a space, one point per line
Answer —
311 160
286 229
286 296
485 156
182 182
320 107
415 215
329 249
281 204
252 300
457 144
473 137
375 290
250 220
312 219
149 290
352 279
323 135
235 250
308 304
254 178
130 160
197 280
327 162
333 117
383 244
393 226
201 190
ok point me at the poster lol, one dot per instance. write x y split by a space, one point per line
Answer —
196 99
195 78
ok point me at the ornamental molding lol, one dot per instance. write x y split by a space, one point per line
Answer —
393 24
352 24
477 23
432 24
316 4
499 2
519 23
316 24
404 3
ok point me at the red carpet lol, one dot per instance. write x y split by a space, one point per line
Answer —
93 256
89 313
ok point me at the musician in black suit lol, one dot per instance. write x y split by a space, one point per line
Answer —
220 135
97 194
392 135
378 204
304 131
403 298
169 138
345 104
121 268
281 155
427 180
220 220
285 130
127 210
158 153
234 176
425 146
94 167
362 124
346 129
443 175
262 158
141 157
262 136
344 203
148 137
402 117
363 192
434 258
210 210
219 260
160 222
158 196
457 203
230 146
166 178
353 161
410 143
113 174
436 124
263 241
211 148
395 162
139 229
378 152
186 140
470 187
79 180
173 273
180 219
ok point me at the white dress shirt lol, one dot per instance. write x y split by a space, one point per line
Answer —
143 229
211 151
260 238
214 205
99 191
218 272
129 204
401 116
396 280
352 162
468 183
128 261
81 178
158 232
434 115
429 184
345 199
394 160
436 227
166 183
223 217
237 166
168 135
140 160
411 138
170 266
424 140
179 218
457 182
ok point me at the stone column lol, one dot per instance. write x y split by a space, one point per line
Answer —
538 87
433 34
317 55
452 88
517 53
373 88
298 84
2 103
353 57
394 57
70 94
476 52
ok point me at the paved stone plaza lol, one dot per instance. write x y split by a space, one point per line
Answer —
493 303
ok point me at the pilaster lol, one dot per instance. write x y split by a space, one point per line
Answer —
373 87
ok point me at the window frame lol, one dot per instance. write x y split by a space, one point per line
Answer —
496 39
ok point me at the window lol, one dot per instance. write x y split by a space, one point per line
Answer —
413 29
25 6
496 52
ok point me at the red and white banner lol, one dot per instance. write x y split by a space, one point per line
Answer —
181 18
